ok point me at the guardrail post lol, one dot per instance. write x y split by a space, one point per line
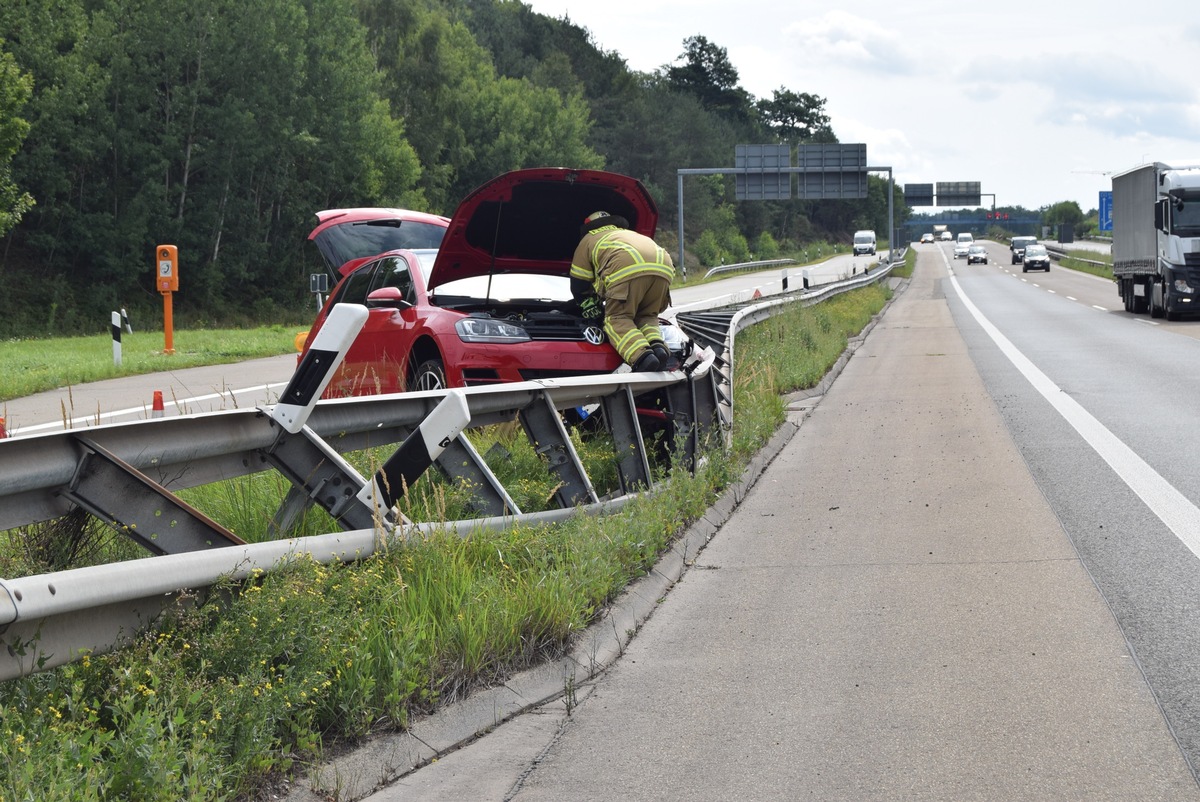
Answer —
633 466
149 515
550 440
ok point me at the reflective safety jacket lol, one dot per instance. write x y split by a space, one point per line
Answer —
610 255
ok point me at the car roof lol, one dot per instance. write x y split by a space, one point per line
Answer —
528 221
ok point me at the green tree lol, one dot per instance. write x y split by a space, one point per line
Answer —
707 74
796 117
466 123
15 88
216 125
1063 213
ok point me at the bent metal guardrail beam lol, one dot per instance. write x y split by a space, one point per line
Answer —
51 619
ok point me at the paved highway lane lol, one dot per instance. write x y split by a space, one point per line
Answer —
1102 408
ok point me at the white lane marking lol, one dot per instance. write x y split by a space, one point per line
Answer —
1052 292
144 409
1174 509
1072 298
1101 308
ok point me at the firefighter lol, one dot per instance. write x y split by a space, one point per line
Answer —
631 275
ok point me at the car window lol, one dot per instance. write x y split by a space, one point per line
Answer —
1035 250
393 271
355 287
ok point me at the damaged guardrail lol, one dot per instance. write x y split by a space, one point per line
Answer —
126 475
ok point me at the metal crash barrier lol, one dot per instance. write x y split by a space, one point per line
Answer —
127 474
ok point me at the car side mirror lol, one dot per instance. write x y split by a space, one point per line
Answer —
387 298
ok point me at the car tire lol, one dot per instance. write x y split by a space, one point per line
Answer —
429 375
1024 269
985 261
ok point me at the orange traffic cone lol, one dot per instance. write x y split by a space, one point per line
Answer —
157 410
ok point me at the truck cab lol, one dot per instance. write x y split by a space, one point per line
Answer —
1156 239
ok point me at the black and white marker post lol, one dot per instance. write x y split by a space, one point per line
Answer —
418 451
317 366
116 338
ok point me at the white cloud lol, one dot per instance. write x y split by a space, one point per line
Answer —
1017 96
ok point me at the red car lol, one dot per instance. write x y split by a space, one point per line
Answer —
490 303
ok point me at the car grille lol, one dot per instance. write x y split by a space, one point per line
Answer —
552 326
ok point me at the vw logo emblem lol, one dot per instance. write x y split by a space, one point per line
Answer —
594 335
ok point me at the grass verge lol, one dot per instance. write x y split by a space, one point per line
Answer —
251 681
34 366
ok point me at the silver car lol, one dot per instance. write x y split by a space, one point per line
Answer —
1036 258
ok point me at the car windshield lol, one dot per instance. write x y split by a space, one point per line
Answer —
977 249
1185 218
862 238
1035 250
502 287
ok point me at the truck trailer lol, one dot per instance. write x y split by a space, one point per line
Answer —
1156 239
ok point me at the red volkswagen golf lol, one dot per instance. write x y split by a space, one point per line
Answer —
483 297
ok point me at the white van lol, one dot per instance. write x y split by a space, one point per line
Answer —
864 242
963 244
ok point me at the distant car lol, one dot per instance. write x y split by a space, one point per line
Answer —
961 248
976 253
947 237
1018 246
1036 258
927 237
488 298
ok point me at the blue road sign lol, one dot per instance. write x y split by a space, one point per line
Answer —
1106 211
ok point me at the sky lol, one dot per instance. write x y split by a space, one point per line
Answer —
1038 101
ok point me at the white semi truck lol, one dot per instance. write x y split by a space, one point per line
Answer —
1156 239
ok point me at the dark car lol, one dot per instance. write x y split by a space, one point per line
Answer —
977 253
1018 246
1036 258
493 302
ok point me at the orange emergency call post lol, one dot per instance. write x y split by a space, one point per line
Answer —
167 280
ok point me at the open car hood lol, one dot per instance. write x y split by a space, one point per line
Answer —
528 221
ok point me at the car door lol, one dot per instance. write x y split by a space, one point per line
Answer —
377 358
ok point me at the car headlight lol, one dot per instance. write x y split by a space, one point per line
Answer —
487 330
1181 285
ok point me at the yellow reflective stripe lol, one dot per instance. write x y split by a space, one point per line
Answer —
623 344
632 270
582 273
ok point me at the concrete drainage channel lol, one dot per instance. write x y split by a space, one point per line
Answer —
485 737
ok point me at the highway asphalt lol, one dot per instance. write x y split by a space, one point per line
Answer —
892 611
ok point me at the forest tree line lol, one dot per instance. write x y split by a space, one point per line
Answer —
223 126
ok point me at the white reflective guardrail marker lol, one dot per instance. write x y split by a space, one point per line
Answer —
418 451
316 368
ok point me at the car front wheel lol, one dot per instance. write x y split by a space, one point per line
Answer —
429 375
